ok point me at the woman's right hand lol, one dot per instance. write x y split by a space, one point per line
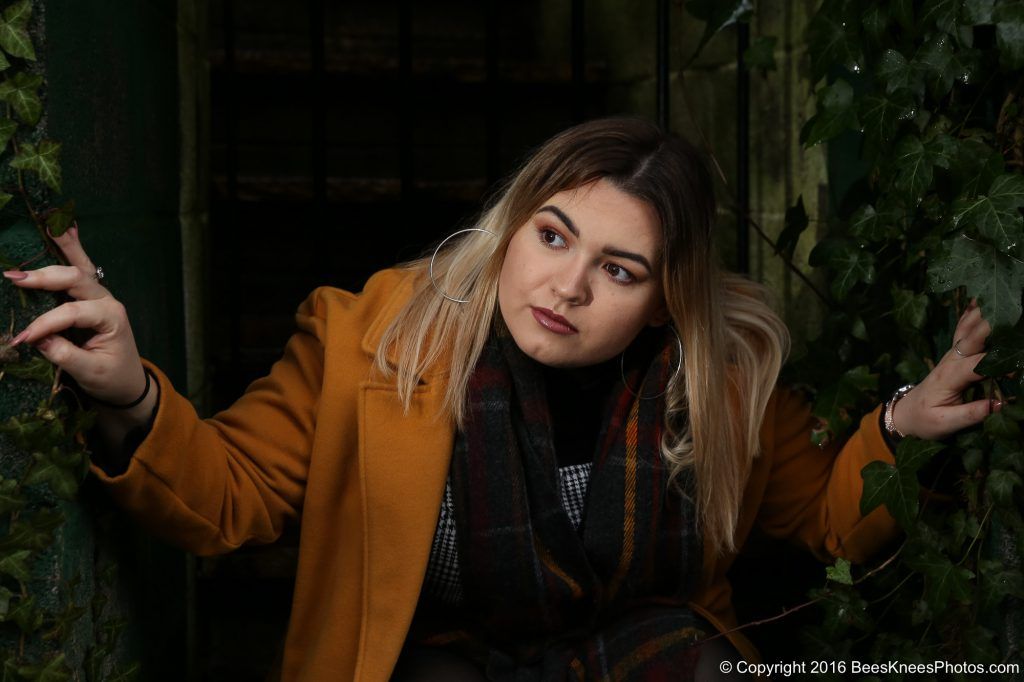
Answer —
107 366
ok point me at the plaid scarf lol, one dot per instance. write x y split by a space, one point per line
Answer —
543 603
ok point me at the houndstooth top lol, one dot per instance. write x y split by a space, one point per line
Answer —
576 399
442 580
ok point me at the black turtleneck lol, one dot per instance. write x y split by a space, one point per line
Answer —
576 401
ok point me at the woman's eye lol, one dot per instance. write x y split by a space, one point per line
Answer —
620 274
551 238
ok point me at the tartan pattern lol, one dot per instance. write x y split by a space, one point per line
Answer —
545 600
442 581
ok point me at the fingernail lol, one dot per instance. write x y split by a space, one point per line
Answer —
15 274
74 230
17 339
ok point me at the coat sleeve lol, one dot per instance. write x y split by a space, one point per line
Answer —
209 486
812 494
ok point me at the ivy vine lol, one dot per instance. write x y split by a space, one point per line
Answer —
927 96
930 92
35 627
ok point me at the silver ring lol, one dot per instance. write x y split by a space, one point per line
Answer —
956 347
98 275
679 366
431 270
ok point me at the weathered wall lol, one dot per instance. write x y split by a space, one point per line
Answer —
621 34
111 99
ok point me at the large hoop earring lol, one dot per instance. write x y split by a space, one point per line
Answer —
431 270
679 367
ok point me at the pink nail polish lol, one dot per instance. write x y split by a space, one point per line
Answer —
17 339
15 275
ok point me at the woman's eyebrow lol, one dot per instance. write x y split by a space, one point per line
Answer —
609 250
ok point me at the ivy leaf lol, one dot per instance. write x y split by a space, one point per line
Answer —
1001 425
897 74
885 484
55 671
717 15
14 38
993 278
910 309
42 160
978 12
34 532
975 167
10 498
835 114
875 21
881 116
834 402
47 469
850 264
761 54
979 644
943 580
1009 21
830 40
996 215
1005 354
935 60
38 369
915 160
1000 484
59 220
19 13
839 573
943 13
796 223
864 223
914 453
15 564
26 615
997 582
7 128
20 92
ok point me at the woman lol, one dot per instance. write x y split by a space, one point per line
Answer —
586 397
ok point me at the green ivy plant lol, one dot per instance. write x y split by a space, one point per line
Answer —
34 636
927 93
926 96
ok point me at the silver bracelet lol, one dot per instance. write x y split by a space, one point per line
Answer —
890 426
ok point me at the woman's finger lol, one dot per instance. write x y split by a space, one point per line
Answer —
78 283
957 417
73 251
100 315
64 354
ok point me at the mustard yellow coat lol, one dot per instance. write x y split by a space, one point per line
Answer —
320 442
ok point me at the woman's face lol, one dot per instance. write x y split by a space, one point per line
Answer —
589 256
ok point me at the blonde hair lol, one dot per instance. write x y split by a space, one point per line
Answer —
733 343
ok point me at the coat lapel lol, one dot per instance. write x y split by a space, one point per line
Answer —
403 461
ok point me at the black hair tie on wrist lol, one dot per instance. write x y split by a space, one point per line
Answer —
135 402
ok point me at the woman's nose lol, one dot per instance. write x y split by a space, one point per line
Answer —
571 283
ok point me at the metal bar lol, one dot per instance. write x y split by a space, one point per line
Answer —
234 275
663 67
492 104
406 159
742 150
579 62
318 101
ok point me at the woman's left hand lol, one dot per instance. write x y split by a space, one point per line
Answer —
935 408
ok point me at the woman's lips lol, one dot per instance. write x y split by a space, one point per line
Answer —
546 318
